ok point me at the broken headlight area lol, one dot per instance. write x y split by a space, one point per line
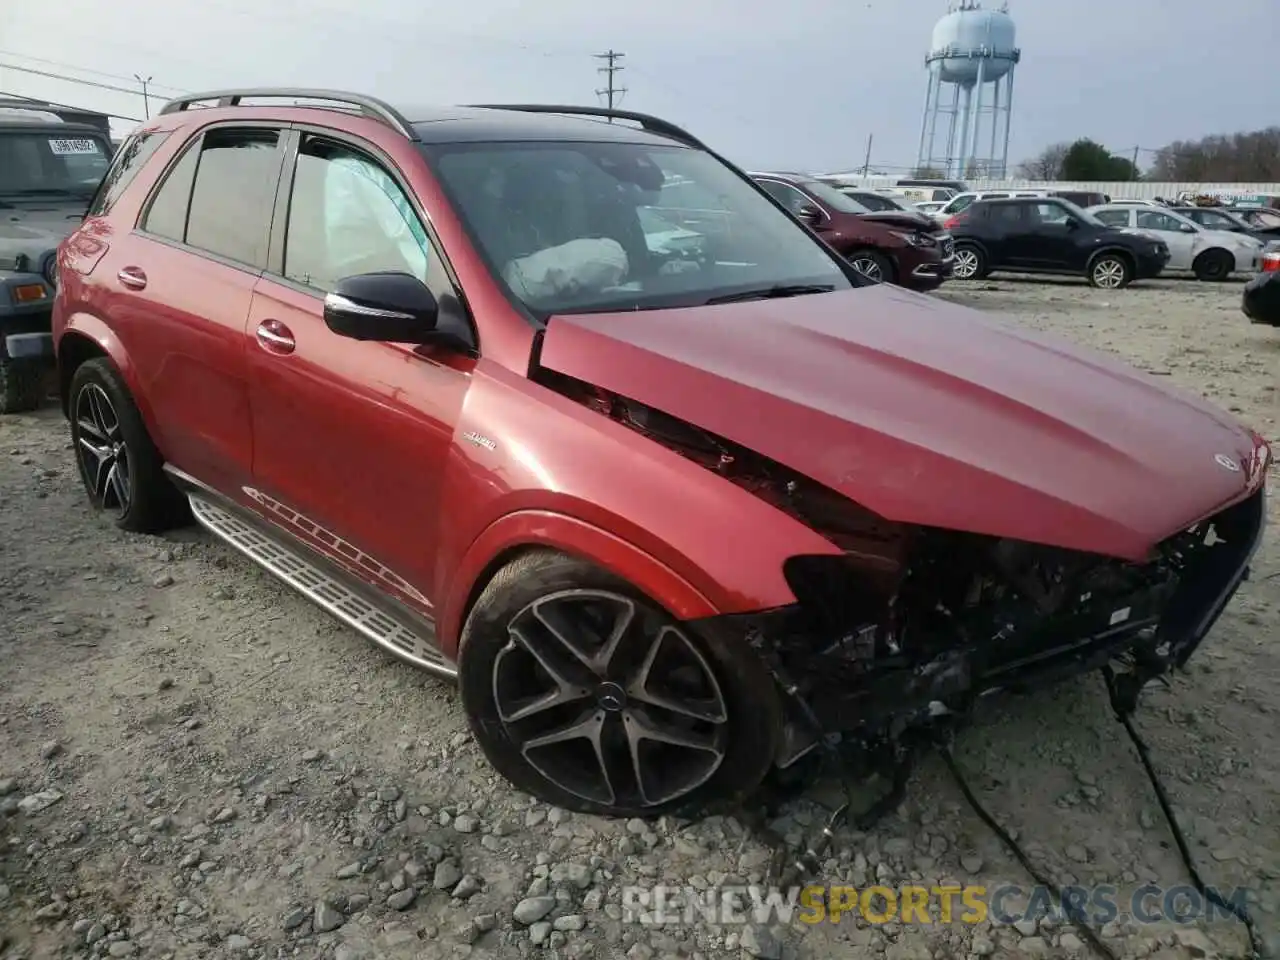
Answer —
935 620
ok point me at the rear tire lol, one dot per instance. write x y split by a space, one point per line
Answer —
536 696
1214 266
873 265
21 384
970 262
119 464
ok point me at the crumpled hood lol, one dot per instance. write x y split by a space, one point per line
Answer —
928 413
35 228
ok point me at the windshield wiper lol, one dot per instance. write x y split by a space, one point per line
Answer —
774 292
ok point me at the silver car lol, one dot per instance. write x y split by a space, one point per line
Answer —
1209 254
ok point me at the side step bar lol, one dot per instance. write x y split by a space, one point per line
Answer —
329 590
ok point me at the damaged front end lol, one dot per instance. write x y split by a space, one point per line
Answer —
911 623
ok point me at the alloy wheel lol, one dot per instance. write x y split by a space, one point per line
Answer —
1108 274
101 450
965 264
609 702
868 268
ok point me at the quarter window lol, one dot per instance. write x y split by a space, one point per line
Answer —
347 216
133 154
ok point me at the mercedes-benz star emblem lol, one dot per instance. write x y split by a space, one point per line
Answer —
1227 463
611 697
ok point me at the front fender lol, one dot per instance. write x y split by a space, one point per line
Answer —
541 528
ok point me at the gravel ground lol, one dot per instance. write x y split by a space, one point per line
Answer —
194 762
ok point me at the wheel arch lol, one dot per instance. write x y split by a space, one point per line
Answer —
85 337
1212 251
1117 251
524 531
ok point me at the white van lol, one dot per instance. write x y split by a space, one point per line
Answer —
962 200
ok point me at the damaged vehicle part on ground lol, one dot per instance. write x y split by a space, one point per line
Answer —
614 442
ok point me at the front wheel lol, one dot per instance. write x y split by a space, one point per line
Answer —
589 696
1110 272
872 265
969 262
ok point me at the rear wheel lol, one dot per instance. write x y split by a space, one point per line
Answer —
119 464
1214 265
586 694
969 262
1110 271
21 384
873 265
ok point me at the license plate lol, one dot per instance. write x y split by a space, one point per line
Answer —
66 148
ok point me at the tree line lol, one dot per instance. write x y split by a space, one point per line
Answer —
1252 157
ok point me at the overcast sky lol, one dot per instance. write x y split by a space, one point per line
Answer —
799 85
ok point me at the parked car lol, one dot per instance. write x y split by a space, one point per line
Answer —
1265 220
48 171
1082 198
666 523
1211 255
1261 298
900 247
1220 218
961 201
1048 235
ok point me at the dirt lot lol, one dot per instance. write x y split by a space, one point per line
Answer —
194 762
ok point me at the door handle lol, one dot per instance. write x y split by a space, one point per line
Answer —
132 277
275 337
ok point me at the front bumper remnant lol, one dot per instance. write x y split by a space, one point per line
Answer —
866 689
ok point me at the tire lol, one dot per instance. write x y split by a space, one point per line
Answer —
741 709
970 262
21 384
118 462
1214 266
1110 271
873 265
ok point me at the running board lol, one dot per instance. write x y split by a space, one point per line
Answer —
327 590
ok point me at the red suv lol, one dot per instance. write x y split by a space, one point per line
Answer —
667 511
897 246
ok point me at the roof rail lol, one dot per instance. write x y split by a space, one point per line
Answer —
651 123
370 107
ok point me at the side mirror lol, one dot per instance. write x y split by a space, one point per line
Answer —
391 307
810 215
1187 228
1072 223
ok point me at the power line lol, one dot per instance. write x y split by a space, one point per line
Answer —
612 93
67 106
77 69
62 76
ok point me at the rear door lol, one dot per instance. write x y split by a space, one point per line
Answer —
180 287
1005 230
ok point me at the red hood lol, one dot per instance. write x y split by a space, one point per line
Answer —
927 413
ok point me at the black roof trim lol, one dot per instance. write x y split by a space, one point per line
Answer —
650 123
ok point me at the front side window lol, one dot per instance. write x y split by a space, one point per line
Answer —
1113 218
560 225
348 216
1154 220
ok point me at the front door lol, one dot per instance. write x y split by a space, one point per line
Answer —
1183 240
351 437
1052 238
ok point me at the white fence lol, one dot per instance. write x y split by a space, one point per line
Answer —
1120 189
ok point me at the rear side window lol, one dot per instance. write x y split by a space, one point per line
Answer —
129 159
219 196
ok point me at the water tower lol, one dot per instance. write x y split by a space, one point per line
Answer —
971 63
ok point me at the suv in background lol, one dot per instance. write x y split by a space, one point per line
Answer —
671 514
1048 235
961 201
895 246
48 171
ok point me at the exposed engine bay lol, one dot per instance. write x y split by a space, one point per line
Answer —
916 623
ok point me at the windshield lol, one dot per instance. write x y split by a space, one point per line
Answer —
833 197
604 226
40 163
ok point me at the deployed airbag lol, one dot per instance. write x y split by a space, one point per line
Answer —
577 266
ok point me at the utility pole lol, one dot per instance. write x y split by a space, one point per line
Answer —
612 92
146 101
1135 162
866 163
